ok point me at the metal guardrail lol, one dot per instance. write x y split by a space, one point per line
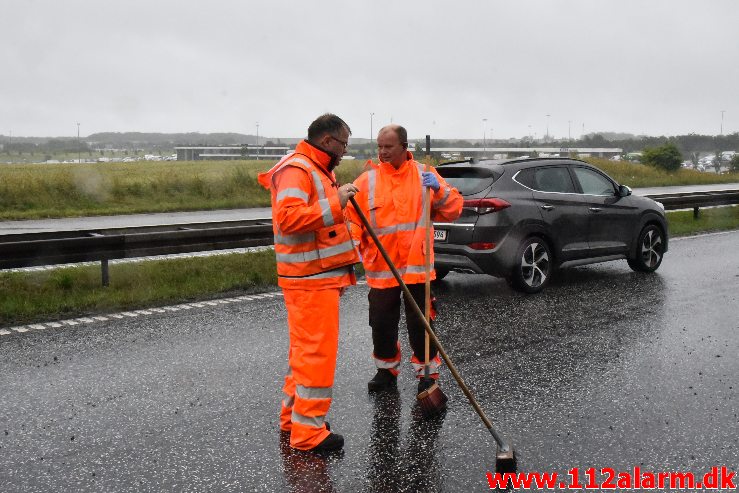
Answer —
696 200
102 245
64 247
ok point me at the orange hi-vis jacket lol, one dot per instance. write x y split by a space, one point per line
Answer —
392 201
313 247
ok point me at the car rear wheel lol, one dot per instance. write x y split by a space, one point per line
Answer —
650 250
534 266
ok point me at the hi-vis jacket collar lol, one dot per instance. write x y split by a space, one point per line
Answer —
321 158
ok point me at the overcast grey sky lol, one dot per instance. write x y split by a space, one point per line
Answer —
657 67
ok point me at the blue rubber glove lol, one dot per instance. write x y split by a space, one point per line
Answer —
430 180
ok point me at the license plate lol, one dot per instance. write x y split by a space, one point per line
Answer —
440 234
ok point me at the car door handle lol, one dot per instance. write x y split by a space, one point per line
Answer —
595 209
547 207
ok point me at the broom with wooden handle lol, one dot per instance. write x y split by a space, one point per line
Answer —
505 457
431 399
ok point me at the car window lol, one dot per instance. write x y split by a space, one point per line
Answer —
592 182
468 181
547 179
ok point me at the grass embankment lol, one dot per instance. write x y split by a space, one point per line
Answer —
34 191
639 176
73 291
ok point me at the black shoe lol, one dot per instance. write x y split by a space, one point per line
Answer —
332 442
425 383
383 380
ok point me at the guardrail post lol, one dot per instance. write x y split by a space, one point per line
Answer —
695 212
106 273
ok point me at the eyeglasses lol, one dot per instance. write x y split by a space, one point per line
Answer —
345 143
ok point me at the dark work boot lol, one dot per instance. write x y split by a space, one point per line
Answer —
383 380
332 442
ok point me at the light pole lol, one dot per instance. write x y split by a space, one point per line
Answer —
548 127
722 121
484 136
372 136
569 130
531 136
78 143
257 133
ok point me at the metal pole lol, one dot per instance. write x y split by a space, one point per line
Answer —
372 135
722 121
428 145
105 272
484 137
548 127
78 143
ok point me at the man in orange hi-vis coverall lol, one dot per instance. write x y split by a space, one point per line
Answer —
391 197
315 256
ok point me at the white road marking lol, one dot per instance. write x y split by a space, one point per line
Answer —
136 313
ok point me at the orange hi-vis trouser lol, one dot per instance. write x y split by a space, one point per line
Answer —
313 321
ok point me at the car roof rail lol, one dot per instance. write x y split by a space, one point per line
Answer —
468 160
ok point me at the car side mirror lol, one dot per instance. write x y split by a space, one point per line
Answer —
624 191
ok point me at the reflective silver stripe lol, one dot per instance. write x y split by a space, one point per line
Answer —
395 228
447 192
297 257
371 181
295 239
309 255
387 365
328 217
347 246
292 192
316 422
319 185
288 402
433 366
386 274
314 392
303 161
323 275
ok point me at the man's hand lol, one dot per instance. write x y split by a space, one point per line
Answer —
346 191
430 180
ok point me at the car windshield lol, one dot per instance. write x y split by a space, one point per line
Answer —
468 181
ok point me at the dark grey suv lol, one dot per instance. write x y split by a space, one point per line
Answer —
524 218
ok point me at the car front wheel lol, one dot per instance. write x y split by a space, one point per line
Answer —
650 250
534 266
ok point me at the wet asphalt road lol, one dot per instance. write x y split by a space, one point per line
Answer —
607 368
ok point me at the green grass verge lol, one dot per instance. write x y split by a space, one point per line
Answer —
682 223
72 190
27 297
75 291
34 191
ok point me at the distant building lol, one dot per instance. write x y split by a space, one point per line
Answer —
203 153
527 151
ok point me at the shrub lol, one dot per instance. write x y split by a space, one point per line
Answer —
667 157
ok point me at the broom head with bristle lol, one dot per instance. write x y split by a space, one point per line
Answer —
432 401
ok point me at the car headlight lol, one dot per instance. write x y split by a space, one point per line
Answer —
661 205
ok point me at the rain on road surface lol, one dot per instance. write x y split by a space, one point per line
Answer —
606 368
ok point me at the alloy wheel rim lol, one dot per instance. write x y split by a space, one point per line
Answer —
651 248
535 265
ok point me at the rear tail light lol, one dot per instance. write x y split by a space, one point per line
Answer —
482 245
485 206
